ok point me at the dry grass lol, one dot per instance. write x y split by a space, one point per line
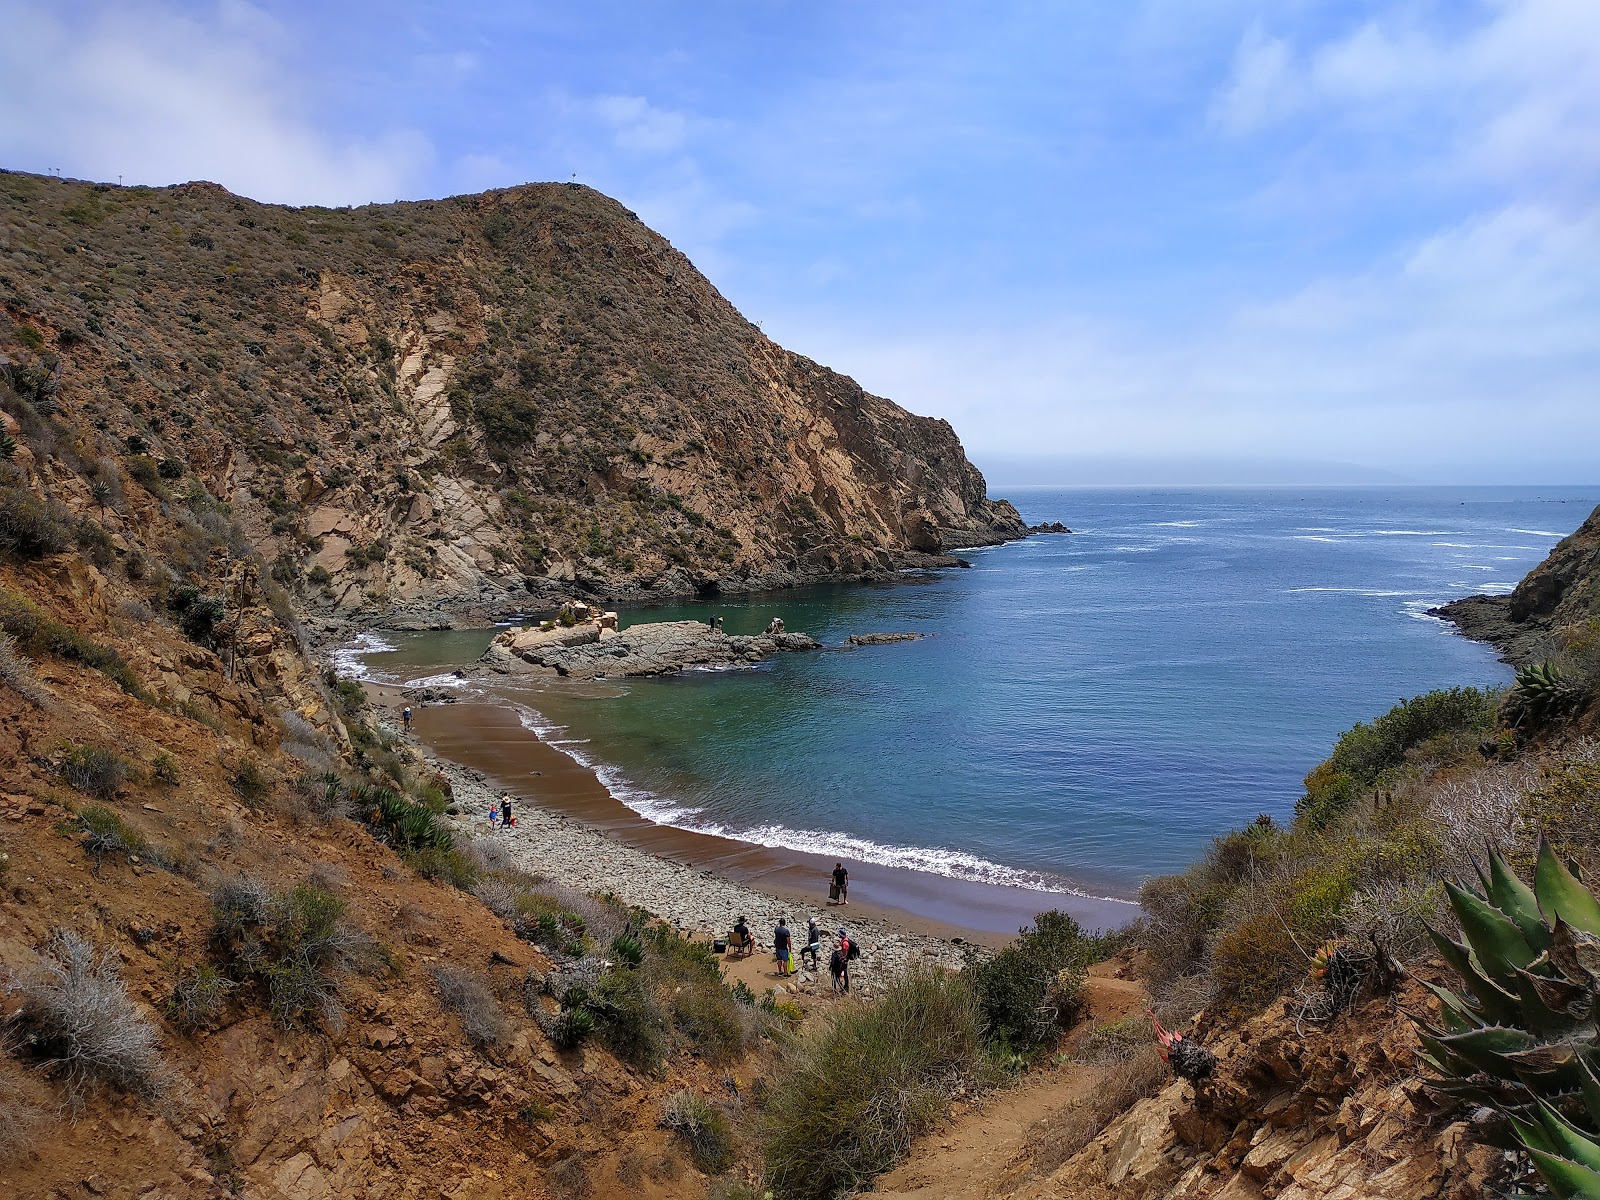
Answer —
17 673
24 1107
1123 1084
78 1017
466 995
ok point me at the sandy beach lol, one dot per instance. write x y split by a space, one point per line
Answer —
570 826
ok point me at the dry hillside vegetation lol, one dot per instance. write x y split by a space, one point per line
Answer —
459 401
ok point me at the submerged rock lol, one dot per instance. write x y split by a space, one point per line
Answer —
880 639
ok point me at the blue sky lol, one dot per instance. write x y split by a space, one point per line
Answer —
1159 232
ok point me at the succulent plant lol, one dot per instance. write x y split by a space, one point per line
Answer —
1523 1036
1540 695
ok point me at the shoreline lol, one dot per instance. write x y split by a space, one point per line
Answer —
481 745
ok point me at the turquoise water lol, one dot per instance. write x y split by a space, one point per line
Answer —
1085 710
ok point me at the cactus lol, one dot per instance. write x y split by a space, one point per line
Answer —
1523 1035
1540 695
8 445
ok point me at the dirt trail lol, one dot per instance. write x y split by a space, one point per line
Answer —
982 1151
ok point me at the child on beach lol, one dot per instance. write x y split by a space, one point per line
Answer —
494 817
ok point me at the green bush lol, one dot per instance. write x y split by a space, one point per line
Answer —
848 1100
1364 754
1031 988
105 832
572 1027
31 527
198 997
632 1024
293 944
704 1130
94 770
449 866
252 783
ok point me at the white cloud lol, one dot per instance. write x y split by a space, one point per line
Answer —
1513 97
137 90
636 124
1476 343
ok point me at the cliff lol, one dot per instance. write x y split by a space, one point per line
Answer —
1558 598
466 403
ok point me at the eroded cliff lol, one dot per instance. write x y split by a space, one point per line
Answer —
466 401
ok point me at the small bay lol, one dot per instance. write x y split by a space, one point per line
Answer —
1083 710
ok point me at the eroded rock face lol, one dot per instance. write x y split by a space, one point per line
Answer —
1339 1113
593 650
465 403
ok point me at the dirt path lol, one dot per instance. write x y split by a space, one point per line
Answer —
983 1151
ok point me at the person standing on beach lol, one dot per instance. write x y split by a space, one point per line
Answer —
505 812
847 951
838 965
813 947
405 715
781 945
839 890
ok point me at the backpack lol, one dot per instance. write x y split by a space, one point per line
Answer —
854 951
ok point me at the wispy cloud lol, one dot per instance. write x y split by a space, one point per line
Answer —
146 92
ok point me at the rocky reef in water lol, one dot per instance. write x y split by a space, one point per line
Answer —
582 642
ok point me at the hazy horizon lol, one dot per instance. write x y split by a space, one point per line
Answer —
1362 237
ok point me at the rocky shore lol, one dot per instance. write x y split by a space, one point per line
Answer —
584 643
694 901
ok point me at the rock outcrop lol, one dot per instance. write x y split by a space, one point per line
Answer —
461 404
1561 592
880 639
585 643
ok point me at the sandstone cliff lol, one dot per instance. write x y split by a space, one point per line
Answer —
466 401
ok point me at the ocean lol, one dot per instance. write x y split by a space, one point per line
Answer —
1083 710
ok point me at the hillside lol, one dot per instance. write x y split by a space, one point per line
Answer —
463 403
1550 611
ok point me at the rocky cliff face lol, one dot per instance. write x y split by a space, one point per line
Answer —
1562 593
464 402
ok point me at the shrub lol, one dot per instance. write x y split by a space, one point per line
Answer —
106 833
453 867
17 673
252 784
94 770
1028 990
848 1100
572 1027
1364 754
8 446
164 769
79 1016
294 944
627 950
702 1129
31 527
23 1107
465 995
631 1022
198 996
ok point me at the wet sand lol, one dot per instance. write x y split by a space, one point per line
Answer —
488 737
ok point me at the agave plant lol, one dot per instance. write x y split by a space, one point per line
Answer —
1540 695
1524 1038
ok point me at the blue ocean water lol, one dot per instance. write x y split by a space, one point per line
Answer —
1085 710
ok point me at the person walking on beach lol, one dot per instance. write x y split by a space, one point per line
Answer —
813 946
781 946
839 889
838 967
405 715
847 951
505 811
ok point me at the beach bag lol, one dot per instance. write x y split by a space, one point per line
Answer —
833 891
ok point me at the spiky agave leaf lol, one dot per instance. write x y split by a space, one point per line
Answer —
1561 893
1496 942
1567 1180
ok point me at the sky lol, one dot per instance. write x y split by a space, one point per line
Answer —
1332 241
